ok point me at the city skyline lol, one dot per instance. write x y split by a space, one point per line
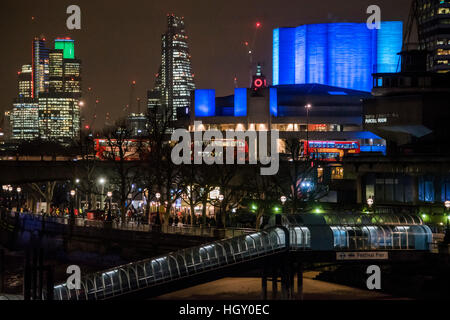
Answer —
199 151
216 38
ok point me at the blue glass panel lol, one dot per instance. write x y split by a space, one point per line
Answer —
445 189
240 102
336 54
300 55
274 102
389 44
205 103
317 53
350 56
286 56
426 189
276 57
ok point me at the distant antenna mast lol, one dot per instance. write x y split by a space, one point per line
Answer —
132 89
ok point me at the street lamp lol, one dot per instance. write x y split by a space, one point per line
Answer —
72 196
158 196
109 217
219 222
307 107
102 181
19 190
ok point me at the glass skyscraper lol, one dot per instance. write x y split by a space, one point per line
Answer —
40 67
59 116
24 120
59 110
434 32
25 83
49 95
175 81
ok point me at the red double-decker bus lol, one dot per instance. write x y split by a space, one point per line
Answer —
330 150
134 149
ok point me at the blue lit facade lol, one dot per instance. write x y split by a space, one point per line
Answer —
338 54
240 102
273 102
205 103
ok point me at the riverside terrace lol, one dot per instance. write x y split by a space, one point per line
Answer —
280 249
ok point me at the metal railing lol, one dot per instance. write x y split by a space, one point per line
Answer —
187 230
176 266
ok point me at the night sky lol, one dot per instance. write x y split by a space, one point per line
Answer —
120 41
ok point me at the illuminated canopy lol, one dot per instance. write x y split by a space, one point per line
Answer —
337 54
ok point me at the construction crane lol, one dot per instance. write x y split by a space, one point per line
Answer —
413 18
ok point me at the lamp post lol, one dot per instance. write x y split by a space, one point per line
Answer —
78 198
102 182
158 220
19 190
10 189
5 189
72 197
219 222
307 107
109 217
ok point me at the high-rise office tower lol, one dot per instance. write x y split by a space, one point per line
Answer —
25 83
434 32
59 110
40 62
56 71
175 79
59 116
48 103
24 119
64 69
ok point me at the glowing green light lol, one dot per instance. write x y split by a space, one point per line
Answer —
317 210
254 207
68 47
424 216
277 209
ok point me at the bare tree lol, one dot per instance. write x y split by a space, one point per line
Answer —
162 175
263 190
297 177
121 153
45 191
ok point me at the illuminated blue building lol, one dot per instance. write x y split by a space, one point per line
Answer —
342 55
